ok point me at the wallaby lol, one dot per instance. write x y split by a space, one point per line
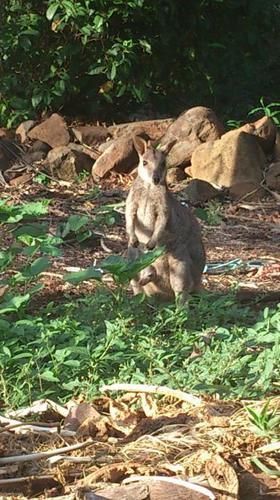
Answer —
154 217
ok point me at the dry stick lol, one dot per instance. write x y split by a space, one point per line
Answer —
43 454
14 480
267 448
39 406
23 428
172 480
154 389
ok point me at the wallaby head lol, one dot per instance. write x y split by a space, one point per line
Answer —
152 165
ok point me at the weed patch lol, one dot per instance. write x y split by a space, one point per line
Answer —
75 347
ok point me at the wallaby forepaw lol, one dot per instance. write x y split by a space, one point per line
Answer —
133 242
150 245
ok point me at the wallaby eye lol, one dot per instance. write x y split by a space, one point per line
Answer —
145 163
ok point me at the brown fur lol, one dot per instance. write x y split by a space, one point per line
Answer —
154 217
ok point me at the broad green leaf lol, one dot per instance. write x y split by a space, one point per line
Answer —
37 267
49 376
72 362
52 10
87 274
37 229
74 223
13 304
35 100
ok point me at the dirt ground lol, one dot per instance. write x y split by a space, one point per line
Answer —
248 231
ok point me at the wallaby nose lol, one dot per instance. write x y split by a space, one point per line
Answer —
156 179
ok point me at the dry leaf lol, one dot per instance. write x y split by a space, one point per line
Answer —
122 418
149 405
3 290
222 477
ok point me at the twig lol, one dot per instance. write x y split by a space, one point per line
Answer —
44 454
39 406
13 480
23 428
154 389
172 480
268 448
75 460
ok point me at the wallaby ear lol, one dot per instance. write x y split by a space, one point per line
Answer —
139 144
167 147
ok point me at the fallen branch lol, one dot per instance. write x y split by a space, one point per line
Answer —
23 479
268 448
172 480
153 389
43 454
39 406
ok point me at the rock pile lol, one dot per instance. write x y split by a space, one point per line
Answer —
244 161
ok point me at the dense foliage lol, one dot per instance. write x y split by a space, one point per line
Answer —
89 56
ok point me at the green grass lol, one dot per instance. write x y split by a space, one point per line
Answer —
214 346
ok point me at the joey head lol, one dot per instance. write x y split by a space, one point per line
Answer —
154 217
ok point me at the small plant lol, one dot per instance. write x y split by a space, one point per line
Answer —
108 215
234 123
83 176
271 110
266 422
120 268
76 228
212 214
42 178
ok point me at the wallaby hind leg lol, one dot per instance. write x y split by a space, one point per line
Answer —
197 281
181 280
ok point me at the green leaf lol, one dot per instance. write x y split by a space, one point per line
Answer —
51 11
124 270
35 230
97 70
98 22
73 363
75 223
35 100
49 376
264 468
70 386
38 266
113 72
7 351
13 304
86 274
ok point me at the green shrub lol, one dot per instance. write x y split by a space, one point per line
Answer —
88 55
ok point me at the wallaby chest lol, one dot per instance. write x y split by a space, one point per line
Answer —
151 204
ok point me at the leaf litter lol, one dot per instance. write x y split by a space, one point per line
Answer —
98 445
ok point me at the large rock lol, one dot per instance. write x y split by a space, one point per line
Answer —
265 131
23 129
272 176
91 135
153 129
66 162
235 159
120 156
52 131
39 146
198 191
191 129
276 149
175 175
10 153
